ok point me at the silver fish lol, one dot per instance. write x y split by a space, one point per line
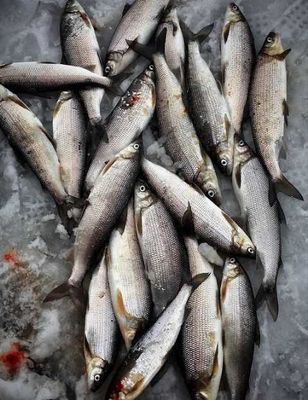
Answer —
139 21
149 354
106 203
240 327
201 336
209 110
250 183
237 57
80 48
175 45
126 122
269 111
176 127
33 77
26 132
69 133
101 329
160 245
189 206
130 292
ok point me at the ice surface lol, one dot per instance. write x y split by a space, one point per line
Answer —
35 244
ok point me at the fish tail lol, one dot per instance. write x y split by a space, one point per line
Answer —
200 36
65 289
284 186
268 292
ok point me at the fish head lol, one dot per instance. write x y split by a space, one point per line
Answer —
272 45
113 64
225 160
149 74
73 7
244 245
242 152
129 387
206 180
131 151
233 14
232 268
143 196
97 369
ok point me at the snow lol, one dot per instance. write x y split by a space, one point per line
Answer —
53 333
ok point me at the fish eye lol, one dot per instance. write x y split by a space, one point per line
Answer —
97 378
251 250
232 260
234 7
224 162
269 39
241 143
151 67
211 193
142 188
136 146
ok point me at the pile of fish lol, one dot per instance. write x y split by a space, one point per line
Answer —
138 225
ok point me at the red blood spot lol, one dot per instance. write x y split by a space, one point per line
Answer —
118 387
13 359
11 257
133 100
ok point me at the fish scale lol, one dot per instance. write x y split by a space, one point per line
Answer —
80 48
240 327
69 132
126 276
201 336
126 122
210 222
160 246
237 62
101 328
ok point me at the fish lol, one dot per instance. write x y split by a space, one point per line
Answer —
146 358
139 21
269 112
251 187
174 46
130 291
105 204
238 58
201 335
176 128
70 136
80 48
36 77
27 134
129 118
208 107
101 329
185 203
240 327
161 248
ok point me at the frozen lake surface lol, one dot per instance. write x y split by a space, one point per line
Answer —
47 339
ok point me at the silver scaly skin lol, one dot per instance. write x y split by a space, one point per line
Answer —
175 45
209 110
101 329
80 48
25 131
160 246
269 110
177 129
149 354
211 223
36 77
130 292
240 327
250 184
69 133
201 335
237 57
138 22
126 122
105 205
